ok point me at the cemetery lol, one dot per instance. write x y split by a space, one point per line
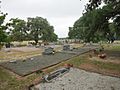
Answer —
83 57
60 45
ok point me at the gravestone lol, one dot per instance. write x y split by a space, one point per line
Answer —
7 45
48 51
66 47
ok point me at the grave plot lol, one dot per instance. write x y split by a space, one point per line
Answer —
30 65
77 79
78 51
25 67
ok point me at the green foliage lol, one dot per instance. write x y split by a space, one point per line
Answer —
85 27
34 29
110 11
93 4
3 35
17 29
39 28
49 35
94 24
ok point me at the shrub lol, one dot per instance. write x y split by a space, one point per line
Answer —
1 45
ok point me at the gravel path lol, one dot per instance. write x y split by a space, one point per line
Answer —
78 79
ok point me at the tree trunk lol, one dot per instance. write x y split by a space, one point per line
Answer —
36 42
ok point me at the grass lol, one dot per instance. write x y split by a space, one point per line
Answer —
6 56
112 47
102 65
108 65
105 68
77 61
10 82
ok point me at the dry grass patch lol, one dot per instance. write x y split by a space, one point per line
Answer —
16 55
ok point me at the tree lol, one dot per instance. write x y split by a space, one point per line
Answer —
49 35
93 4
17 29
114 31
78 31
71 33
84 26
88 27
39 28
110 11
3 36
96 19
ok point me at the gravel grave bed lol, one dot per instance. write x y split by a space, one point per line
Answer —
77 79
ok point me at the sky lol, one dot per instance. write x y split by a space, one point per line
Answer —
59 13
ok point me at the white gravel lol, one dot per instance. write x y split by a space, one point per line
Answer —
78 79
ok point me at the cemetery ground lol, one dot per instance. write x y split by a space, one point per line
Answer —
89 62
20 53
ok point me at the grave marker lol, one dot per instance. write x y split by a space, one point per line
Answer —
48 51
66 47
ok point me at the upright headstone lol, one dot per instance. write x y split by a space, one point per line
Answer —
48 51
66 47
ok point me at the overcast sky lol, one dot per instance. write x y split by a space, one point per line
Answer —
59 13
